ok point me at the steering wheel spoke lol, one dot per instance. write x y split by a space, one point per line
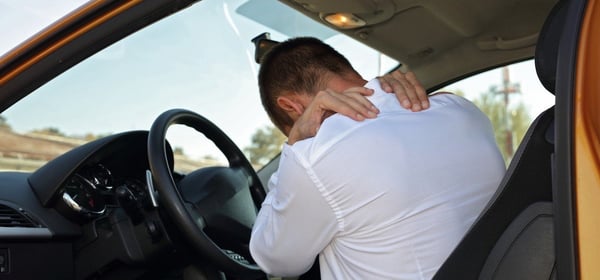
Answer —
196 217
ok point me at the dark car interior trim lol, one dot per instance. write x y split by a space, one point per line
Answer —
565 234
49 178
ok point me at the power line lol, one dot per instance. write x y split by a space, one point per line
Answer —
506 89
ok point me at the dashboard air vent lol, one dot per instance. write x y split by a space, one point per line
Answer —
10 217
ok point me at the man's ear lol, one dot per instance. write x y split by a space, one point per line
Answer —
290 105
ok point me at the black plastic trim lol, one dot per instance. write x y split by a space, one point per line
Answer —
17 194
47 180
24 233
565 229
533 226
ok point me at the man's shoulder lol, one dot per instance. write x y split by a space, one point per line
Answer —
451 101
339 128
334 129
444 95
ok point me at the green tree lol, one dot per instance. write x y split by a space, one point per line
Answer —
517 121
178 151
49 131
266 144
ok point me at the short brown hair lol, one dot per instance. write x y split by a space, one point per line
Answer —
297 65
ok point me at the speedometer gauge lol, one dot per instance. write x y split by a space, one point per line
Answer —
100 176
81 197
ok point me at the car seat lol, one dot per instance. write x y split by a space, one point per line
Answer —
513 238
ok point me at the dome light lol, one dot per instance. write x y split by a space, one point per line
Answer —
345 20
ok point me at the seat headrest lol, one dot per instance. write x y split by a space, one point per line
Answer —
546 51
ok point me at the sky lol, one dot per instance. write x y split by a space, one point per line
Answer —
200 59
23 18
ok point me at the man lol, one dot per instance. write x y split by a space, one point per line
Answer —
385 194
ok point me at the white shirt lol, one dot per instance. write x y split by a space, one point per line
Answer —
385 198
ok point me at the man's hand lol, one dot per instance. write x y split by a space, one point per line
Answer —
407 88
351 103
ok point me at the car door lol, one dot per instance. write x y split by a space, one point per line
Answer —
582 157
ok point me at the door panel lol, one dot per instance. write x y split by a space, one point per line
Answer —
587 143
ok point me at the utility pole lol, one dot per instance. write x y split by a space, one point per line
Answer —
506 89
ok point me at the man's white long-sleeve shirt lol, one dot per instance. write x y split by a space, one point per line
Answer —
385 198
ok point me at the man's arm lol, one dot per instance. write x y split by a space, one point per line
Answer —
295 222
353 103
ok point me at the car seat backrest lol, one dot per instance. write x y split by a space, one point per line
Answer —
546 51
513 237
526 248
528 181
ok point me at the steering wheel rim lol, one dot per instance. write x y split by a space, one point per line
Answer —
189 223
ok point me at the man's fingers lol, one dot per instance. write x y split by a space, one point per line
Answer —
396 83
385 83
351 104
411 93
355 98
362 90
407 91
420 90
359 103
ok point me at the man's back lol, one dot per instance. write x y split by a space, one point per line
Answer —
400 190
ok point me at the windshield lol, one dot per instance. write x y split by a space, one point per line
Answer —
200 59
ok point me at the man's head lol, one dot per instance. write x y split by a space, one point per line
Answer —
292 72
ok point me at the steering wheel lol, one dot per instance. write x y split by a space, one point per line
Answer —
214 208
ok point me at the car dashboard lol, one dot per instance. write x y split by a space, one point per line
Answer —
86 214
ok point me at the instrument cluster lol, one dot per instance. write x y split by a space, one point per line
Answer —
92 191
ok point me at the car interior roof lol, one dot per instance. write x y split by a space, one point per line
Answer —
448 36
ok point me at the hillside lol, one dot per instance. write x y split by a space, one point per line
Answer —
28 151
36 147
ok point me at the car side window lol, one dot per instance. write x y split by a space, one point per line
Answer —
511 96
